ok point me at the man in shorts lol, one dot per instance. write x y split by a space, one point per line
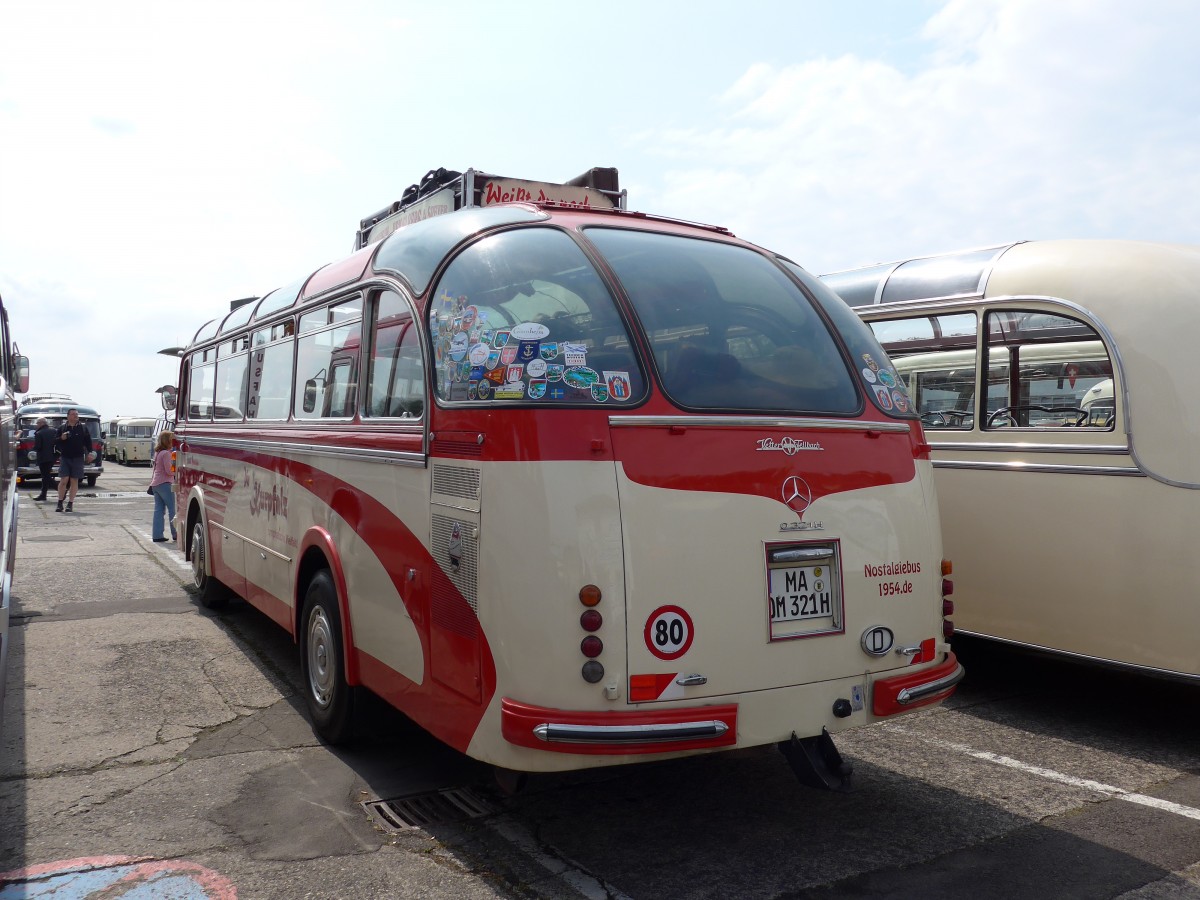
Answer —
75 447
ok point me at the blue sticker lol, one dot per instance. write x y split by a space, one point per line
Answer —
527 350
550 351
537 389
555 372
582 378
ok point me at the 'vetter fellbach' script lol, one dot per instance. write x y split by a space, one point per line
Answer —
790 446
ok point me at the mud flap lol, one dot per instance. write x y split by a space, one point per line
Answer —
816 762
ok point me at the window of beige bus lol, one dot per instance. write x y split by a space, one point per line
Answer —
327 352
271 355
934 357
1040 367
396 383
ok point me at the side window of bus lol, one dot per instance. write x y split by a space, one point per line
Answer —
1046 371
396 384
935 357
326 384
232 379
201 384
271 372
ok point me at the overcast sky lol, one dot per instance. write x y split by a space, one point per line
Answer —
159 160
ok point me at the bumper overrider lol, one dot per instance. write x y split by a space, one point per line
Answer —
695 727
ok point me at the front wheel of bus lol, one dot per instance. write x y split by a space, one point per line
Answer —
212 594
330 699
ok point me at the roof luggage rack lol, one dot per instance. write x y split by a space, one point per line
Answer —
30 399
442 191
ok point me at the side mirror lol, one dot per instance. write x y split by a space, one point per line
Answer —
20 374
104 435
310 395
169 396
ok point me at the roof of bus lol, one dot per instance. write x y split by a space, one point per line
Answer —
56 408
414 252
1144 296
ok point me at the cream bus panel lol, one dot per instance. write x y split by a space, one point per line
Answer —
551 529
724 592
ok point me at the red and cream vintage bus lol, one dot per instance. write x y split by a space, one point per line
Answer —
569 485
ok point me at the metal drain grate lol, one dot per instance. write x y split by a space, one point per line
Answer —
441 807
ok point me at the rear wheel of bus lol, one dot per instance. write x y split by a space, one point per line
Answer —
212 594
330 699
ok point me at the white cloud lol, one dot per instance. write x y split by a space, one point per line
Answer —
1026 119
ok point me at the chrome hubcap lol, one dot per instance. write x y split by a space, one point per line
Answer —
198 555
320 657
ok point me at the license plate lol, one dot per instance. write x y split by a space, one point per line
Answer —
799 593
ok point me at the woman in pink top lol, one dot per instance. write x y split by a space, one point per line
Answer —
162 486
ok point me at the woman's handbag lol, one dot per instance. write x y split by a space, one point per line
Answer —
149 490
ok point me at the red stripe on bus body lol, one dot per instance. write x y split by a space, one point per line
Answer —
442 712
733 463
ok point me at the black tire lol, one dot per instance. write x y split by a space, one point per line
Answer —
322 665
91 480
211 593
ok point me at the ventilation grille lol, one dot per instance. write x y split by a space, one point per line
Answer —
466 444
456 481
443 807
446 612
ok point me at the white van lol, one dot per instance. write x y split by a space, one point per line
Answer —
1053 380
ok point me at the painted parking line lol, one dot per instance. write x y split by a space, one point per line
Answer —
1098 787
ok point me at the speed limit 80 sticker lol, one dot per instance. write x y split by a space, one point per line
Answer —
669 632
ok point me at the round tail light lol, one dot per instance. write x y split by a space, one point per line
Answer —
591 646
947 607
589 595
591 620
947 629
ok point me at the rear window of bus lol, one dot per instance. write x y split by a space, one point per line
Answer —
728 329
523 316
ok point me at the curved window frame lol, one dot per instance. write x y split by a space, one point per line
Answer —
632 379
837 343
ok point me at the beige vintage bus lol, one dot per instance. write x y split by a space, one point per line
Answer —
131 440
1053 380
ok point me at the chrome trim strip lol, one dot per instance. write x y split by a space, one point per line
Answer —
1029 447
1117 664
809 424
1039 467
921 691
396 457
558 733
255 544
